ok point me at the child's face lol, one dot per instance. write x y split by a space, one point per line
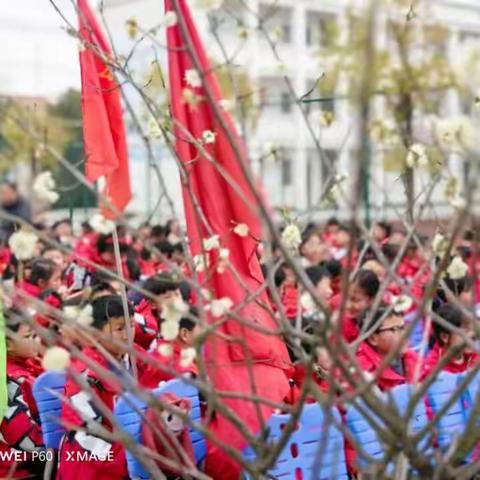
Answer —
388 337
55 281
187 336
377 268
324 288
115 336
313 249
357 301
24 343
379 234
57 257
167 297
342 238
324 362
455 340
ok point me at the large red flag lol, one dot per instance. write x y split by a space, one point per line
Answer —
103 130
223 207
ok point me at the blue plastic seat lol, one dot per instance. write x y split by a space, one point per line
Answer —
401 396
47 391
452 424
303 449
416 335
364 434
129 410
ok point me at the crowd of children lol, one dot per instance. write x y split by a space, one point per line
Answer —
367 305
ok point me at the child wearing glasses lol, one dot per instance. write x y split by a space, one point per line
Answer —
385 338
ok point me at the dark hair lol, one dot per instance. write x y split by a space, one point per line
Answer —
107 307
101 286
165 248
451 315
308 233
368 282
133 269
332 221
161 283
105 244
14 318
279 276
386 227
41 269
189 322
51 248
457 287
316 273
373 318
178 247
390 251
61 222
168 226
86 227
334 267
157 231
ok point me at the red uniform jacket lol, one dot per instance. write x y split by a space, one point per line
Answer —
147 324
369 360
108 459
170 367
435 355
20 428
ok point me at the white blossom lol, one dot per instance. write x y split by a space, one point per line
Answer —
326 119
208 136
417 156
458 202
307 303
165 349
457 269
44 187
200 263
291 237
153 129
169 330
211 243
242 32
101 225
439 244
209 4
71 312
192 78
224 253
402 303
56 359
170 19
220 306
227 104
23 244
455 133
85 316
174 310
187 356
241 229
223 260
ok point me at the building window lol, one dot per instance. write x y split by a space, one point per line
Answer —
285 103
321 30
285 162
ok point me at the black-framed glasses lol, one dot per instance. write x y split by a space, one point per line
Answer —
397 329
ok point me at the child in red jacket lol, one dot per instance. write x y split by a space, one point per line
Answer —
105 460
172 363
361 294
20 428
147 319
446 340
45 274
386 337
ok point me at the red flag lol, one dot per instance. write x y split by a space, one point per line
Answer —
223 207
103 130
